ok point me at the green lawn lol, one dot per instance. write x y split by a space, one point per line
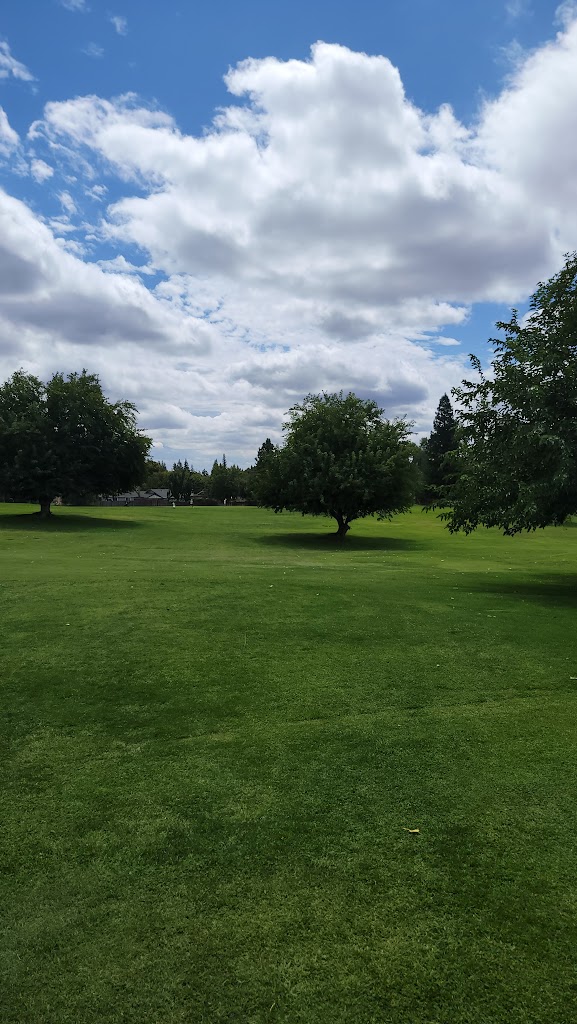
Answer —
218 725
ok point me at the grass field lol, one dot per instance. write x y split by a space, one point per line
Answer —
218 726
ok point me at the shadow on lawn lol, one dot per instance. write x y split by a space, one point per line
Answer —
561 589
352 542
59 523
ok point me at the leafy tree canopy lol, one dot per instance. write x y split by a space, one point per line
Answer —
519 445
228 481
156 474
65 438
340 459
180 481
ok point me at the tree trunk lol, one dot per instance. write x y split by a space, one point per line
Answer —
343 527
45 512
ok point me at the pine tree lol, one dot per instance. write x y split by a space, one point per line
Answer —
441 469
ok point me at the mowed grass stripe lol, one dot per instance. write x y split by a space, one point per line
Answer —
218 727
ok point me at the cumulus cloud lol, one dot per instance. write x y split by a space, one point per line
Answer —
74 5
324 233
528 134
60 299
10 67
327 185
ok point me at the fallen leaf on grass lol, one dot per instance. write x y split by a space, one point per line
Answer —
413 831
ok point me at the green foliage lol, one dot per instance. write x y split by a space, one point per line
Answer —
438 457
422 469
156 474
519 426
219 484
260 481
180 481
339 459
183 481
267 448
65 438
228 481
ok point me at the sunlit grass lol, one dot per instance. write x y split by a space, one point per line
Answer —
218 726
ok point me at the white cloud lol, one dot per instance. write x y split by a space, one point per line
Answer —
74 5
40 170
120 265
529 136
446 342
517 9
73 301
324 233
9 66
327 186
566 13
67 202
97 192
9 139
93 50
120 24
513 55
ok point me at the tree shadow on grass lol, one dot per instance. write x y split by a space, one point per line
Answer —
547 590
62 523
330 542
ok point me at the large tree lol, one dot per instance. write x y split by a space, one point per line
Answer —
65 438
341 459
256 477
228 481
180 481
519 424
438 457
219 486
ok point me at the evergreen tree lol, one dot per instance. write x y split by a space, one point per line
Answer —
259 481
181 481
219 485
440 463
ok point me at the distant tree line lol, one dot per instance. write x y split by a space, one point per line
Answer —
184 482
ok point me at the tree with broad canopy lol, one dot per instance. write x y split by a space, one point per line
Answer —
65 438
341 459
519 426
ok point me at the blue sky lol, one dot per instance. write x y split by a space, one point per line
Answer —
357 216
